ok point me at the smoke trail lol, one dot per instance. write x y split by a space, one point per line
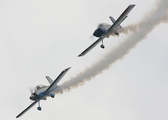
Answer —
141 30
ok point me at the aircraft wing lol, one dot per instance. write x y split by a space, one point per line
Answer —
56 80
91 47
120 19
27 109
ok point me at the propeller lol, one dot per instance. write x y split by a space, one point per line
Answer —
98 24
31 90
91 38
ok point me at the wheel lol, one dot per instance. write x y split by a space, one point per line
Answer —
102 46
39 108
52 95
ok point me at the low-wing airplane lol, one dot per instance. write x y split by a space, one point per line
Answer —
105 30
41 92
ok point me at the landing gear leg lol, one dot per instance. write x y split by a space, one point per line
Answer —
102 46
39 108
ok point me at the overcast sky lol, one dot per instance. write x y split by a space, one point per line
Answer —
40 38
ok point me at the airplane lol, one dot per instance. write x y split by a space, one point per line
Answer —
105 30
41 92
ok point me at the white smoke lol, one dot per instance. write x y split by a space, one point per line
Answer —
140 31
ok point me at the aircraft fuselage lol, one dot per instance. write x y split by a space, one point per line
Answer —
39 93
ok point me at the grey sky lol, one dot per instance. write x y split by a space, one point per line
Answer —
40 38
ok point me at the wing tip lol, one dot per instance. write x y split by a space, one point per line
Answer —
18 116
67 68
132 5
83 53
80 55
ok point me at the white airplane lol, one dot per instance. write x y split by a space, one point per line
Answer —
105 30
41 92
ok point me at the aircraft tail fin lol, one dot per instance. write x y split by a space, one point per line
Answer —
49 79
113 21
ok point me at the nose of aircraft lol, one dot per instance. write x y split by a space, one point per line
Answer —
31 98
94 33
99 32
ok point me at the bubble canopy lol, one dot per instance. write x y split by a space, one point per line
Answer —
38 87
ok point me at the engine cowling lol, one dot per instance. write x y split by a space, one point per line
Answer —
99 32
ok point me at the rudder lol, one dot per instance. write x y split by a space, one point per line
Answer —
112 19
49 79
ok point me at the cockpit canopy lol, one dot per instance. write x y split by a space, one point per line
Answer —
102 25
38 87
